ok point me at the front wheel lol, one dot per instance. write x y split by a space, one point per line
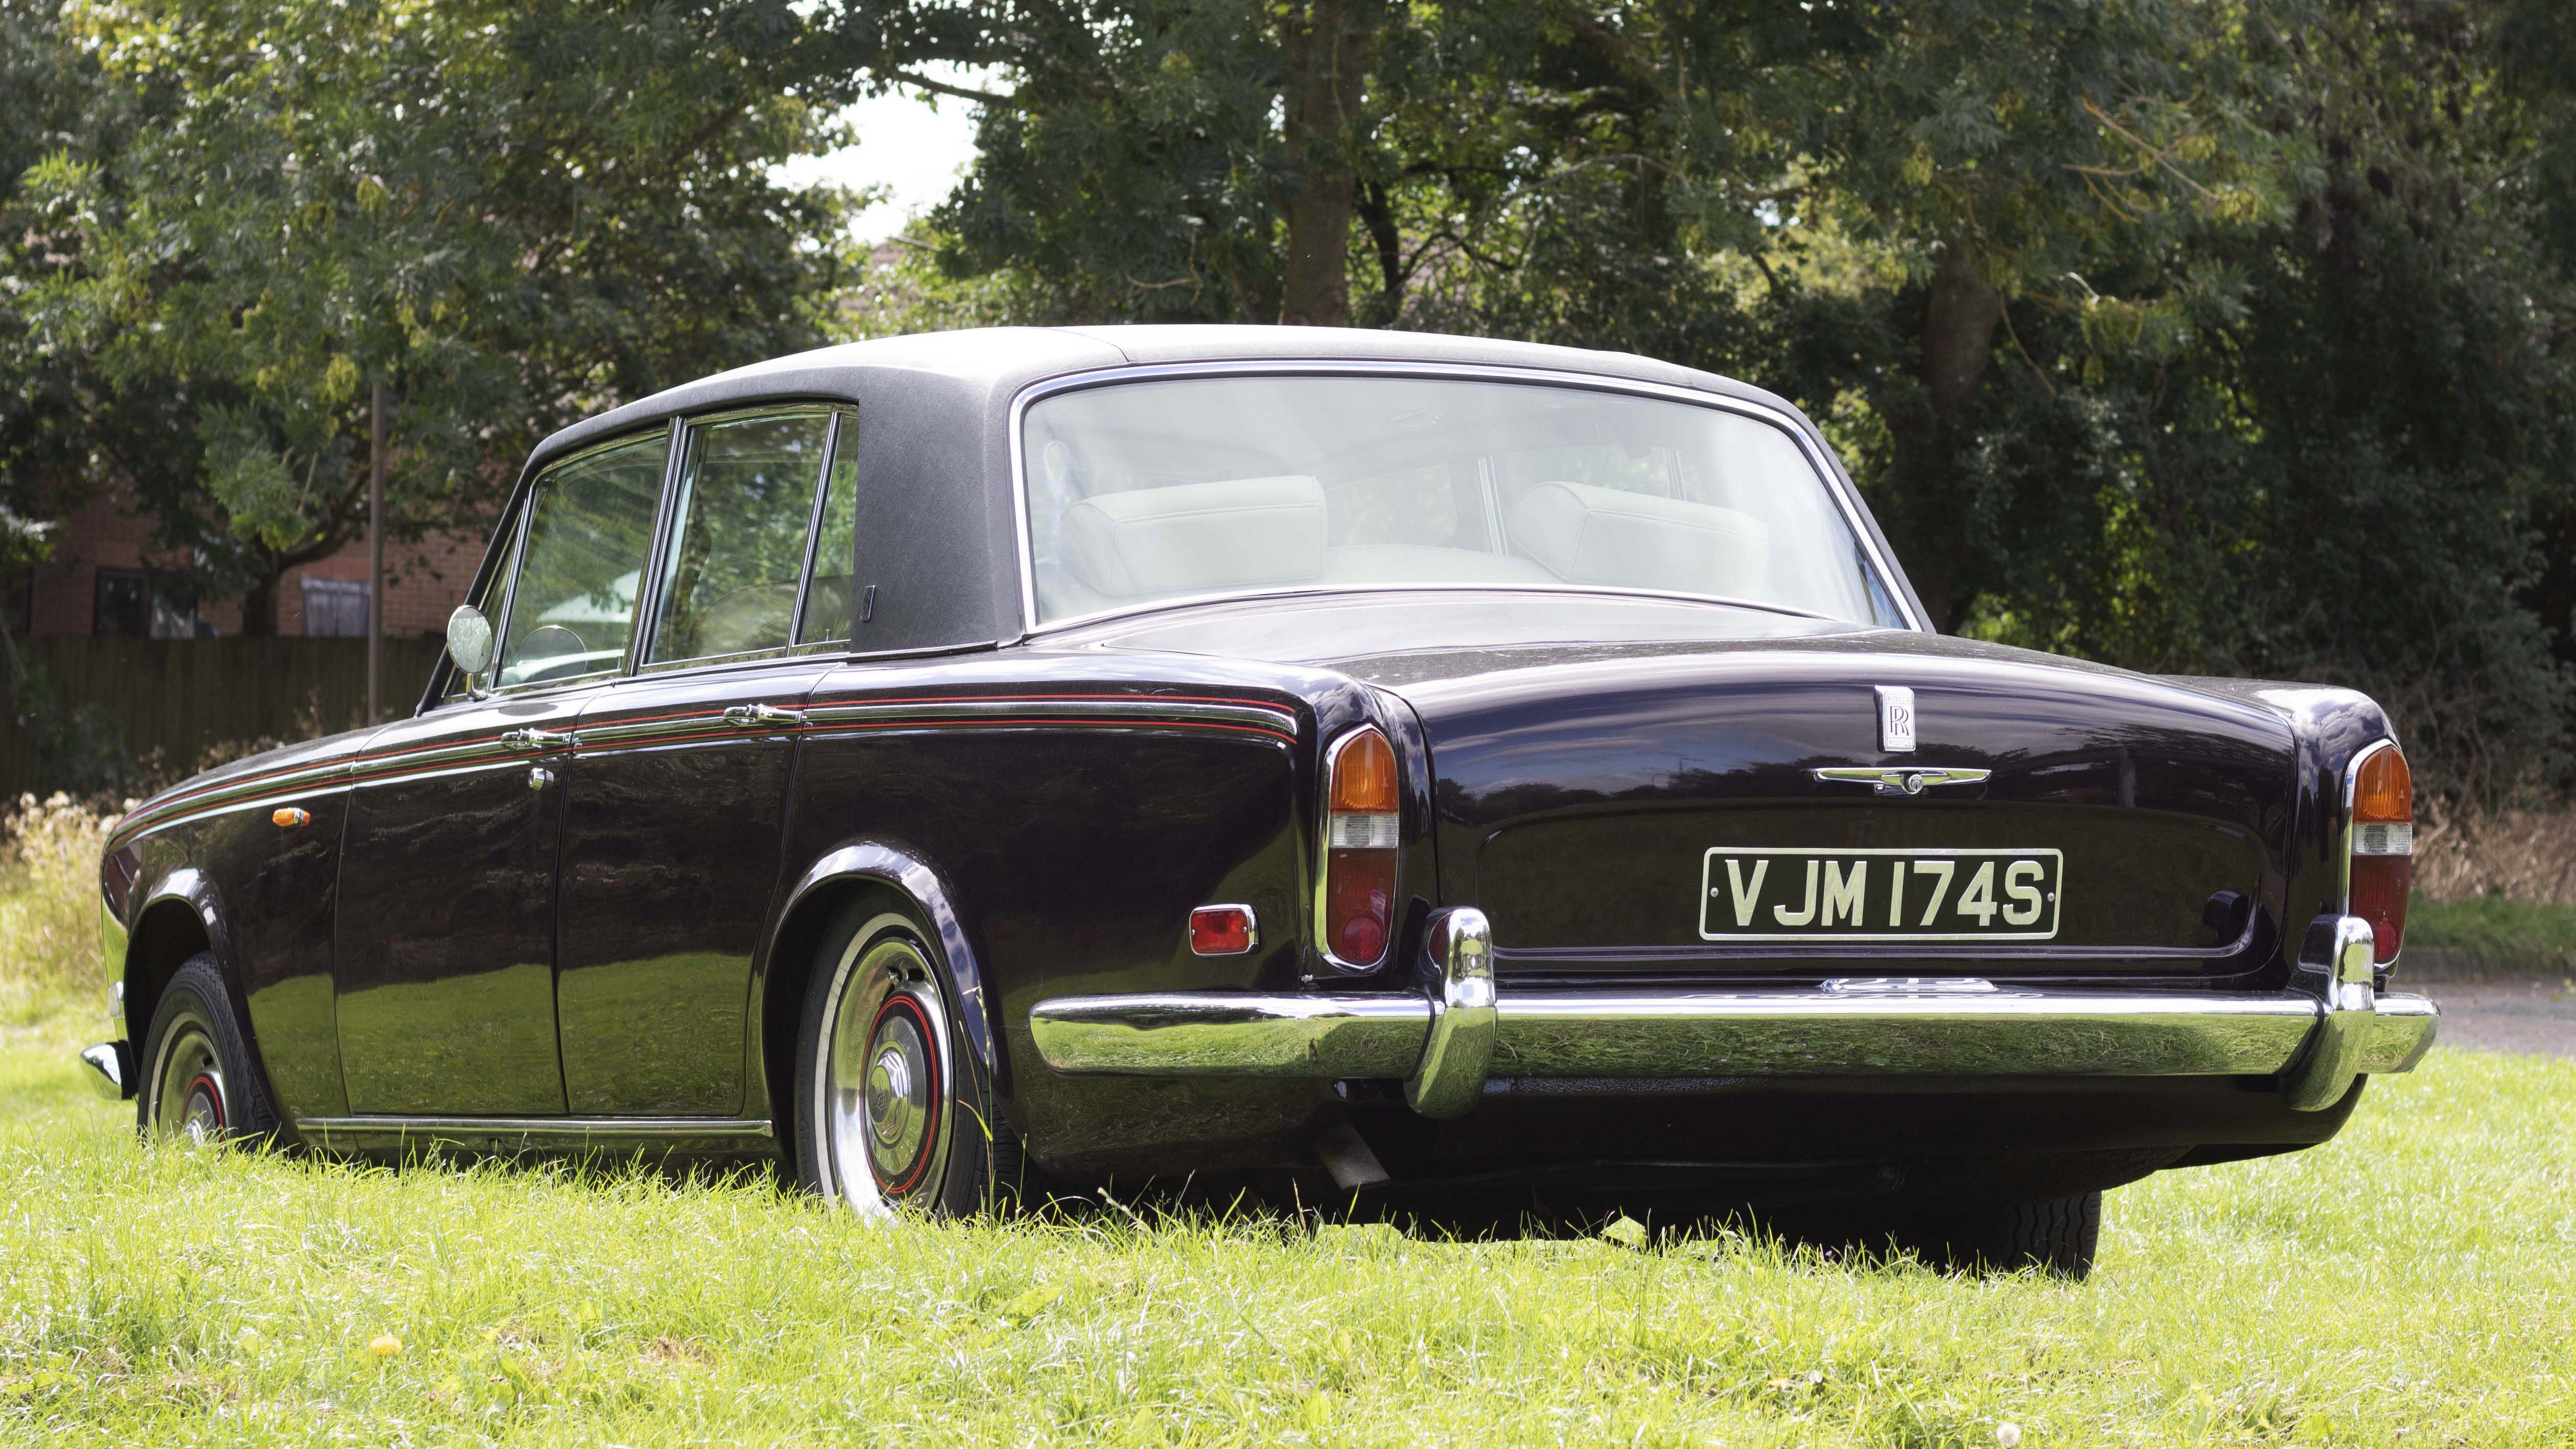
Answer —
892 1109
198 1084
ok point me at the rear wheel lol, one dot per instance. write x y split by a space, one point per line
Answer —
892 1109
2058 1237
198 1084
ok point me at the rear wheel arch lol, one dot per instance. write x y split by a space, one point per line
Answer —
873 876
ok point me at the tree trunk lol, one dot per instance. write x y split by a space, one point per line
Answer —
1326 45
1958 335
1958 348
1377 218
259 606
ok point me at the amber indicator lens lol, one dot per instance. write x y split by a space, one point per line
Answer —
2383 848
289 817
1364 776
2385 791
1361 831
1221 930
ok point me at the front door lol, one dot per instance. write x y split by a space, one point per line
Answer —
671 844
445 961
444 968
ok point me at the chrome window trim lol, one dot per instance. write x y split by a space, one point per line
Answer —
1809 447
648 584
748 656
1324 853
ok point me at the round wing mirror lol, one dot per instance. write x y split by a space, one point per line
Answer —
469 641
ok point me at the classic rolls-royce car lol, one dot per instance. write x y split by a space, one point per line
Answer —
1393 769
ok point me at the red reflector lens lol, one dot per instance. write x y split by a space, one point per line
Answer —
1359 898
1221 930
2379 886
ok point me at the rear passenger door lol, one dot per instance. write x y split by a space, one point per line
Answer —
672 827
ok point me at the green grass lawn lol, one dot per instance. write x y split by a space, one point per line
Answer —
2508 935
2413 1283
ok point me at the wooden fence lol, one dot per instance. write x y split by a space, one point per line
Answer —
177 698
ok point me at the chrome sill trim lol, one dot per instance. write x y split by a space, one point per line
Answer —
372 1130
1804 1032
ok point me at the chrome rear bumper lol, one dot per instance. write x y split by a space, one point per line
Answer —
2316 1043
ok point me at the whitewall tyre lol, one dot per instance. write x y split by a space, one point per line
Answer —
892 1111
198 1085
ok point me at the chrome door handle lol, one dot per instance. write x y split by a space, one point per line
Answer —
756 716
534 739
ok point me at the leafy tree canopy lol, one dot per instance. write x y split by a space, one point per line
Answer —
511 214
2196 337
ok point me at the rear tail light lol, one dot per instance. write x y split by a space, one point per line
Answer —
1360 829
2380 863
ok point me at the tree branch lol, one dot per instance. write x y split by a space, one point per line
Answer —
963 93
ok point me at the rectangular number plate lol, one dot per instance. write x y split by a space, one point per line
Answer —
1761 893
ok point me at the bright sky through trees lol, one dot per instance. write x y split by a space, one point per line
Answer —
910 142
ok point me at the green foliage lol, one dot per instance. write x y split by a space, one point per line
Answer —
513 215
49 946
2199 338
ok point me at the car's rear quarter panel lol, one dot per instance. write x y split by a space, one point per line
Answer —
1074 840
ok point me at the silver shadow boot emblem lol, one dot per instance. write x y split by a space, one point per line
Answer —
1901 781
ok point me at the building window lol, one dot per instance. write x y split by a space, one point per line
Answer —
335 608
128 603
124 604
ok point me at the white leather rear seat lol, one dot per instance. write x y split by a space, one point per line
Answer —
1590 535
1198 538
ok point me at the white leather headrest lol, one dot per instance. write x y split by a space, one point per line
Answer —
1196 538
1591 535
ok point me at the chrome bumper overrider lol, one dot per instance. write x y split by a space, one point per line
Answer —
108 1069
1448 1041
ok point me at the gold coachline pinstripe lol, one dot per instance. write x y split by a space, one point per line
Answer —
1247 716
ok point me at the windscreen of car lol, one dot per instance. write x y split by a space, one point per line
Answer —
590 525
1232 485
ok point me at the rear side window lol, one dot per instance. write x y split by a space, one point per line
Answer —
828 600
737 551
590 526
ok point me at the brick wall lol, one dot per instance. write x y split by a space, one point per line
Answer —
423 581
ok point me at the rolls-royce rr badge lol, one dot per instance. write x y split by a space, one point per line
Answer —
1895 719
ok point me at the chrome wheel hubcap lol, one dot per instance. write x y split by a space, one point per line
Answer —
189 1100
884 1073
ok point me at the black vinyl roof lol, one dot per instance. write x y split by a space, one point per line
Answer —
934 410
